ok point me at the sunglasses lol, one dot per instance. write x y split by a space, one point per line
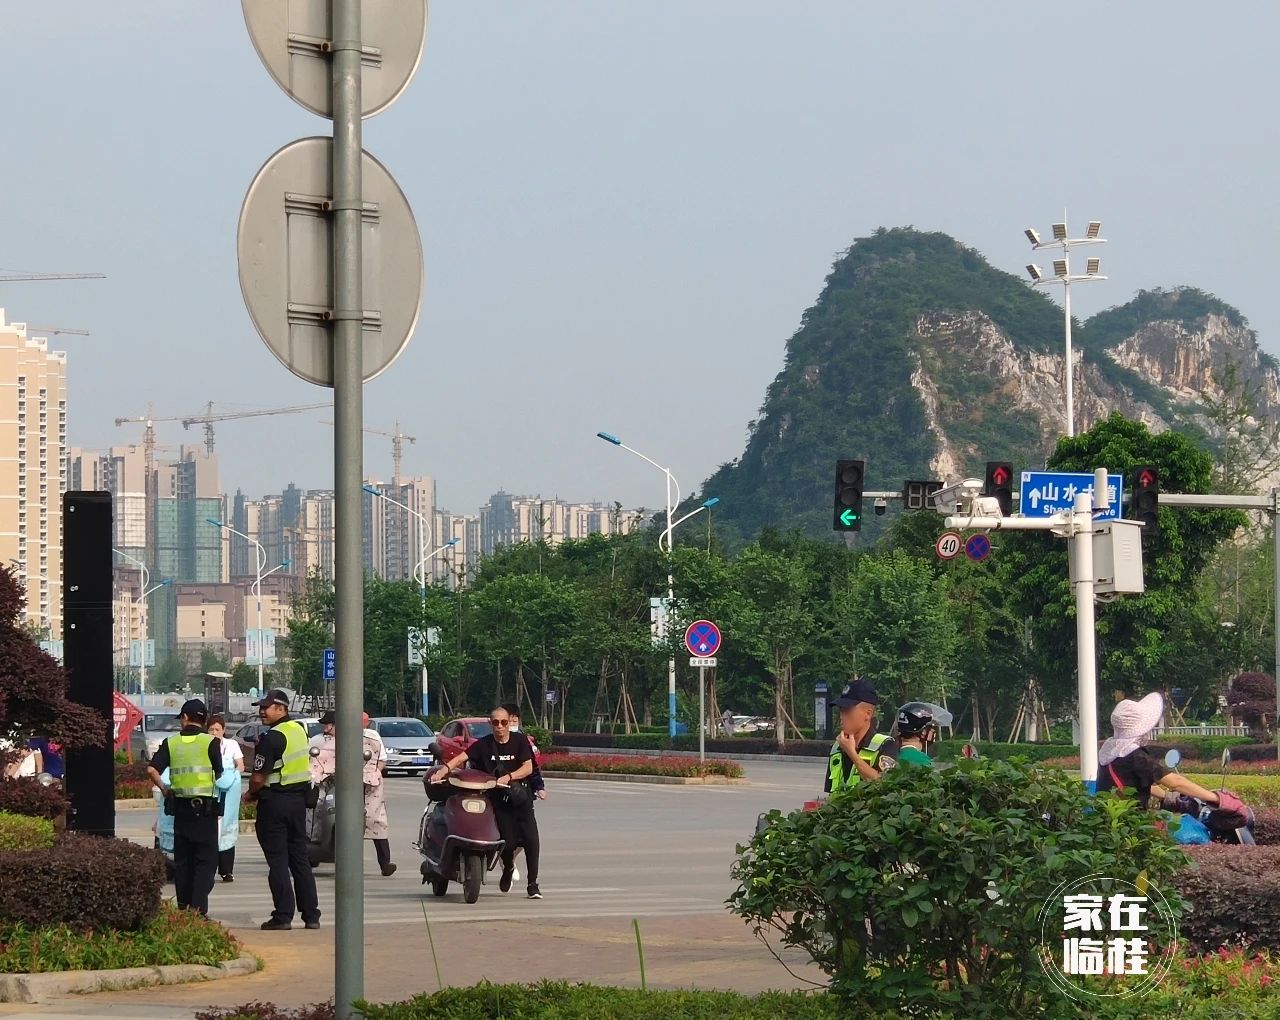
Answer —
499 722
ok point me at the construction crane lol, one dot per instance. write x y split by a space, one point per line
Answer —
209 417
56 329
397 447
16 276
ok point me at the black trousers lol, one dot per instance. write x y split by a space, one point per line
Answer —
282 834
226 862
195 858
519 827
382 847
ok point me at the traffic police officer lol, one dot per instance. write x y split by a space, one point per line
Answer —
859 752
280 782
194 761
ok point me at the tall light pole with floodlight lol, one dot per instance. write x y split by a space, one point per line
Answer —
261 560
144 577
1062 275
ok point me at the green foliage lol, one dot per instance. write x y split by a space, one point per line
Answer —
173 936
1186 306
921 851
639 765
25 832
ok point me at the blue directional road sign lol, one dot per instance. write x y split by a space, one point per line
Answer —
330 664
702 638
1045 493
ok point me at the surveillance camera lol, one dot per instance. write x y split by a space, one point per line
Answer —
881 505
987 506
951 499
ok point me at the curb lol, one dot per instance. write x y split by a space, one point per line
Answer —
665 780
37 987
136 804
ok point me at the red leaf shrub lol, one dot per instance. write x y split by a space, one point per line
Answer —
83 881
639 765
133 790
1234 895
28 797
1266 827
132 772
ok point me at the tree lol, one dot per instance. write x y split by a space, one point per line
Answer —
893 617
1252 699
212 662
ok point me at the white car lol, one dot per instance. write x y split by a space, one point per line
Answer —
408 743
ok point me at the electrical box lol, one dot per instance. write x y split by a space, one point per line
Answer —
1117 558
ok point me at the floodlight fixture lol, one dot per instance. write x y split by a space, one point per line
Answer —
1060 268
1032 236
1093 267
1059 231
1034 272
1095 228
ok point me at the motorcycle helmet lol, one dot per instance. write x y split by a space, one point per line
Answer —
921 719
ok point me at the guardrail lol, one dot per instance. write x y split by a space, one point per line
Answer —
1201 730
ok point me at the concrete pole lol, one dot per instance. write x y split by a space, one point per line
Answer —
348 407
671 608
1086 661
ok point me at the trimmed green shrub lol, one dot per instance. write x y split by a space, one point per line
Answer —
954 865
28 797
951 750
25 832
1234 893
82 881
644 741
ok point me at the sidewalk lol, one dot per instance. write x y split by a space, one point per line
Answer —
706 951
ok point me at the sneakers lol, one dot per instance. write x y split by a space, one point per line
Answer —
504 883
312 925
279 925
228 878
515 873
535 893
388 870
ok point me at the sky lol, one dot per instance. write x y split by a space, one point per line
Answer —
625 207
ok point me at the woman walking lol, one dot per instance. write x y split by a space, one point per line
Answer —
229 786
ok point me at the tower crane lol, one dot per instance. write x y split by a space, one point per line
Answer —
15 276
56 329
209 417
397 446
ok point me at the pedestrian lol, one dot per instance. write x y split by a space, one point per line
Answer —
536 783
50 756
859 752
1125 764
508 757
916 727
230 790
376 826
280 782
194 761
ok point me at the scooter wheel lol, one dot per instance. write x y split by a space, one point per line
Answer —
439 886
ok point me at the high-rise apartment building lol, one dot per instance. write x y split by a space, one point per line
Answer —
33 469
121 471
394 536
187 548
509 520
296 526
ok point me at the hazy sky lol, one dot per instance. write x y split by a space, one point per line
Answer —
625 206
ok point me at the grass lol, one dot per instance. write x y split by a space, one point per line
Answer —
634 765
173 936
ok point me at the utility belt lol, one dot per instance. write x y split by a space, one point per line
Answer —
195 807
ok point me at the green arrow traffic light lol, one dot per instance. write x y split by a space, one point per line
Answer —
848 518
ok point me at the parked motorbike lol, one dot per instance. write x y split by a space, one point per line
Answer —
458 836
321 812
1228 821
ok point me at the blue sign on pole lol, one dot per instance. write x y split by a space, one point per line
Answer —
1045 493
978 547
702 638
330 664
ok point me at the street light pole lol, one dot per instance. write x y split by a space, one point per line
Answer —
1062 275
261 558
143 627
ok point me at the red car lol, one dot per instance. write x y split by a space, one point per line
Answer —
455 736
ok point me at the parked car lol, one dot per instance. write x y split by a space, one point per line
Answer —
247 737
457 735
408 743
160 726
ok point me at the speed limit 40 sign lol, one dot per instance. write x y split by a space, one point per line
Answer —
948 545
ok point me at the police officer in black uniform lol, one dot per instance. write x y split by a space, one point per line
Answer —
280 782
194 761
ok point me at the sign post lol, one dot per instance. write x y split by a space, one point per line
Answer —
703 641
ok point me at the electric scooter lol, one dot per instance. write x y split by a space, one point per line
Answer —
321 810
1228 821
458 836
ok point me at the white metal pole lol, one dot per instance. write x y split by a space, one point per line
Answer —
671 602
702 714
142 656
422 636
1275 595
1071 403
1086 663
261 559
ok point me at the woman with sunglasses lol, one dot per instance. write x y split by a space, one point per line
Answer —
507 756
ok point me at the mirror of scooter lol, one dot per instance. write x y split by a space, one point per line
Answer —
314 752
1172 758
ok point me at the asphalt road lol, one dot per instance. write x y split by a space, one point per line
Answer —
608 849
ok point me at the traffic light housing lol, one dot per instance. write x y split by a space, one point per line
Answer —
915 494
850 475
1146 500
998 482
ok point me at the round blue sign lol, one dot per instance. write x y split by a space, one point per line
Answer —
702 638
978 547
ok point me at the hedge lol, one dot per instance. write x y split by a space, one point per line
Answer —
82 881
25 832
1234 893
29 797
637 765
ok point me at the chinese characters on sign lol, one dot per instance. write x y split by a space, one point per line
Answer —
1045 493
1118 916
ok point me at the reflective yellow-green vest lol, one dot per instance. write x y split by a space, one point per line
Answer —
292 767
190 771
836 768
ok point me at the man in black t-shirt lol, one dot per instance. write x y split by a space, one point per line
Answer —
507 756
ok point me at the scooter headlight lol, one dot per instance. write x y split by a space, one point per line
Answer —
474 805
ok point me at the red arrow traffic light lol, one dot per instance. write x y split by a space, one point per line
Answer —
1146 477
1000 476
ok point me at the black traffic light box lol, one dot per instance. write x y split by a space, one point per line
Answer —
915 494
998 482
847 515
1146 499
